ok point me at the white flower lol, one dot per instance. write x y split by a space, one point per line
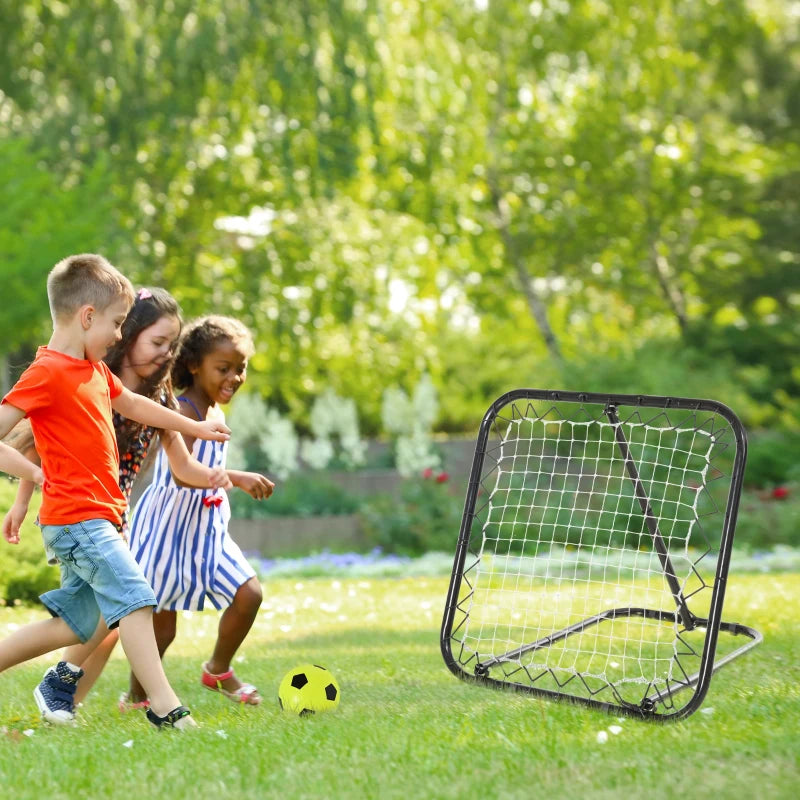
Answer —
602 737
128 744
411 419
333 417
255 425
615 729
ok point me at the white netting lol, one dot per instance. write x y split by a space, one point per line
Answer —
559 535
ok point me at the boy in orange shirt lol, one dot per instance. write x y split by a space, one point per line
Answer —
67 394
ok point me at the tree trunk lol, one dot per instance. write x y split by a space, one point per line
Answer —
536 303
536 306
669 287
502 213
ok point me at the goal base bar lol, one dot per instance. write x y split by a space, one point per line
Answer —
646 709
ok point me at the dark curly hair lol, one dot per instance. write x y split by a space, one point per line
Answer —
151 305
200 338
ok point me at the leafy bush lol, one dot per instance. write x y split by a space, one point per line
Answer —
24 571
768 518
772 458
425 518
301 495
674 368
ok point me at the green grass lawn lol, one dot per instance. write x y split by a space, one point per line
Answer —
406 727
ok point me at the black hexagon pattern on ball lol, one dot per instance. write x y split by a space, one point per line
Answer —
299 680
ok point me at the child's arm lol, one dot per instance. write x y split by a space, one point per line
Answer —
251 482
11 461
148 412
15 463
187 470
13 520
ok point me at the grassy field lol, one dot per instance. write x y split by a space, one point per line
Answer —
406 727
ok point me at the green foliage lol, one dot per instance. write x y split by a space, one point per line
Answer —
425 517
773 458
480 191
765 522
24 571
300 495
670 367
46 216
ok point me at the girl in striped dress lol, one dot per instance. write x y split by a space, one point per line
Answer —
179 535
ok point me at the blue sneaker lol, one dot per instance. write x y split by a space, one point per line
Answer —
55 695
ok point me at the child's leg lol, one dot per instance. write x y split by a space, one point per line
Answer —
95 662
91 657
139 643
35 640
78 653
234 625
164 626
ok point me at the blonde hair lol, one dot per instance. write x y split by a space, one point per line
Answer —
85 279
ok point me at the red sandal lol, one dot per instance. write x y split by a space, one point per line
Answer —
247 694
125 704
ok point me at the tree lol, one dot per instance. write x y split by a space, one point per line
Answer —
41 222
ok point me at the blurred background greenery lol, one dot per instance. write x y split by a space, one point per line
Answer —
438 200
595 194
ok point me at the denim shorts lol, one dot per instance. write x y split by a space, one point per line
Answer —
98 576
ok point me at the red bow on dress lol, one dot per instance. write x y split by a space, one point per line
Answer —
212 500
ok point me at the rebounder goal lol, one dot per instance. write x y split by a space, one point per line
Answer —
593 553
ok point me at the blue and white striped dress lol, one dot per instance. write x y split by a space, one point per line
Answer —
182 543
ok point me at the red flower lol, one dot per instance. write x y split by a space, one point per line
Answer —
427 473
442 477
780 492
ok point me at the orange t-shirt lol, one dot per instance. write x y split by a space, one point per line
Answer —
68 402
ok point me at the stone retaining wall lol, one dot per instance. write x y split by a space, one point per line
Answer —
296 536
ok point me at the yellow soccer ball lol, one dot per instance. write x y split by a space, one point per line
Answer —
308 689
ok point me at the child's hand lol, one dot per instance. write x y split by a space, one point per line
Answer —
38 476
219 479
213 429
12 522
255 485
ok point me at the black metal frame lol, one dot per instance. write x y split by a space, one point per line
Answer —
657 704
